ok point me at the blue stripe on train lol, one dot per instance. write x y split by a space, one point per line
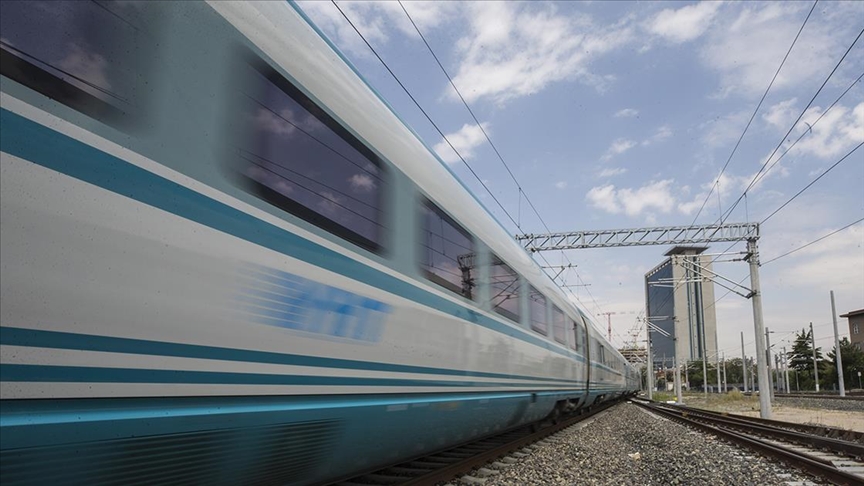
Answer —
36 143
26 423
93 374
13 336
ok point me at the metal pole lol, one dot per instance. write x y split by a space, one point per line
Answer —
778 383
717 357
725 383
743 363
786 368
759 327
687 373
650 360
770 381
815 364
837 349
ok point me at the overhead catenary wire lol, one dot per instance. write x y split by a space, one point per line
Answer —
429 118
826 171
812 242
521 191
449 143
753 116
729 211
805 132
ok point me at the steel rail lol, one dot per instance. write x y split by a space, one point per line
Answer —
816 430
809 463
835 445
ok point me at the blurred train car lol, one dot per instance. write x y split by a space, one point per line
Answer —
226 260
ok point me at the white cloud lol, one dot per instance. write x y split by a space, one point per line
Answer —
512 50
747 48
464 141
561 184
834 263
88 66
660 135
626 113
611 172
361 183
655 195
684 24
376 20
268 121
781 114
835 134
618 147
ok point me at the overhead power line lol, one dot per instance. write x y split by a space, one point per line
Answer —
424 113
521 191
473 172
792 127
809 130
759 105
812 182
817 240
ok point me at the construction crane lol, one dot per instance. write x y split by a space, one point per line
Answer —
609 321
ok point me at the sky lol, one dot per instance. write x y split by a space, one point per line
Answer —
623 115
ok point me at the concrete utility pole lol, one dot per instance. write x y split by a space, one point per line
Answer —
837 349
786 368
743 363
778 385
650 360
704 367
759 325
770 382
725 383
815 363
679 399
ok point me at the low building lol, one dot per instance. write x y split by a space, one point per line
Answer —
856 327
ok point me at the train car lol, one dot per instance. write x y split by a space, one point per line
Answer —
225 259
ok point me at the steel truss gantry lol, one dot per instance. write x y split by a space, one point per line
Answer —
677 235
663 235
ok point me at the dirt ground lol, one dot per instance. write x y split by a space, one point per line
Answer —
744 405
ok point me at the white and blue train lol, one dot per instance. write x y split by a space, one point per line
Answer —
226 260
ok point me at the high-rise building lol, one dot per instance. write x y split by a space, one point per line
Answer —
679 298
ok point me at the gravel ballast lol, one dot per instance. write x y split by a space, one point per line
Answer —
821 403
628 445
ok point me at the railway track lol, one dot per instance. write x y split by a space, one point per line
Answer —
856 397
832 454
500 450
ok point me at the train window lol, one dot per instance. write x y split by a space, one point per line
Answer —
301 160
579 332
559 326
447 256
504 287
578 343
91 56
537 303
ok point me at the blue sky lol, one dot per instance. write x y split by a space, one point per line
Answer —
621 115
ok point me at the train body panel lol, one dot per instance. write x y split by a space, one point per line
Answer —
154 305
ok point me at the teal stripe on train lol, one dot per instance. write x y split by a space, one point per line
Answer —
91 374
14 336
36 143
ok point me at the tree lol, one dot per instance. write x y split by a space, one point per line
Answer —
853 362
801 360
